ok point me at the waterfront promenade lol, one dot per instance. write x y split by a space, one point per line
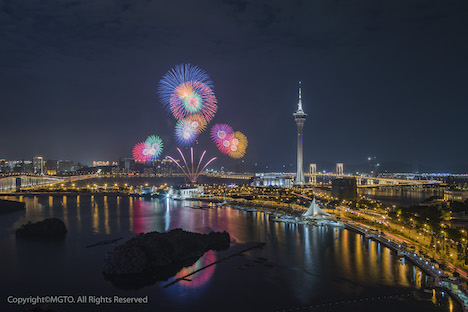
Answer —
440 278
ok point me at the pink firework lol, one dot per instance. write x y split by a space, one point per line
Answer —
221 135
193 98
140 153
220 131
225 145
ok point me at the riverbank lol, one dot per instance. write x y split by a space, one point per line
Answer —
300 265
440 278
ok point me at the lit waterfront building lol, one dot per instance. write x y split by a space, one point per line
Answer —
38 164
300 117
271 179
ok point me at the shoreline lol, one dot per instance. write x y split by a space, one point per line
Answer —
441 279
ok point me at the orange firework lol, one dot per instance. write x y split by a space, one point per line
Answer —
238 145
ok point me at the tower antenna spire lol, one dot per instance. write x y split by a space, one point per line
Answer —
299 104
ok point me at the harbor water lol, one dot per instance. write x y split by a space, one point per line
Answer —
301 267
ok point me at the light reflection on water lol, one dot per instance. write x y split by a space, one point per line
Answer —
396 196
304 265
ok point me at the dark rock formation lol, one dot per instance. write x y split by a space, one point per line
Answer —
49 229
10 206
154 256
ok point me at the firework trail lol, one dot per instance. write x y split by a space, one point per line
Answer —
191 171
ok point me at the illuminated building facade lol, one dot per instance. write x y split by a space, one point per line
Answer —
38 164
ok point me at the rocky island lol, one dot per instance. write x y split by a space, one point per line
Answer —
48 229
155 256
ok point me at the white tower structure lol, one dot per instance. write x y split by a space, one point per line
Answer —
299 117
313 173
339 168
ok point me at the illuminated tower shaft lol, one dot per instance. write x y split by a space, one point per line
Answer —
299 117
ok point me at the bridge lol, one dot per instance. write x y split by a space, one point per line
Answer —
362 181
12 183
365 181
237 176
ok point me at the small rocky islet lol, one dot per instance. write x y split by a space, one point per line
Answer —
151 257
48 229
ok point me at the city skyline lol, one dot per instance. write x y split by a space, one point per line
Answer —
384 80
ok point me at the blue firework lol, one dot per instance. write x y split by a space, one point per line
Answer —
154 146
178 75
185 133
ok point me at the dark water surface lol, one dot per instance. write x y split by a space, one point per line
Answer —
400 197
301 267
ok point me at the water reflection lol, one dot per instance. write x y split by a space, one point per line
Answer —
65 210
201 278
51 206
130 213
307 264
78 213
95 215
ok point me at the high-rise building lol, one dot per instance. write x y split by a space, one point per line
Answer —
344 188
373 166
166 167
4 165
101 163
38 164
65 166
300 117
51 165
126 164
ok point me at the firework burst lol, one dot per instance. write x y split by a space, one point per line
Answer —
238 145
187 90
185 132
221 134
148 151
191 98
154 146
220 131
197 123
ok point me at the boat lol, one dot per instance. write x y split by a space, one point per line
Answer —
286 219
336 223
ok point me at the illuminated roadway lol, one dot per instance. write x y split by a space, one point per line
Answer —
8 183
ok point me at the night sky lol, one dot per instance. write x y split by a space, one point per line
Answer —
384 78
